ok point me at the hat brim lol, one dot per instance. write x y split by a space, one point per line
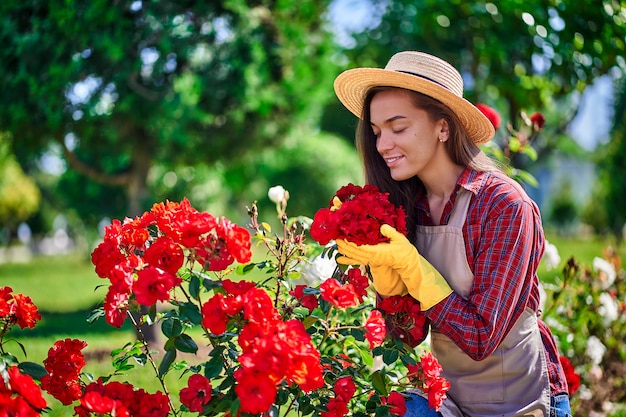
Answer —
352 85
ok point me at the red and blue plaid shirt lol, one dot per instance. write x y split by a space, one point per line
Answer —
504 243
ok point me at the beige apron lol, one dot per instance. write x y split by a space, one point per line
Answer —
513 381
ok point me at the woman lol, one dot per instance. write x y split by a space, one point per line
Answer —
475 239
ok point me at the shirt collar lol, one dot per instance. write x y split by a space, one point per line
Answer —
471 180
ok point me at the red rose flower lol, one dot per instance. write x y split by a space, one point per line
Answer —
165 254
25 387
356 214
345 388
197 393
154 284
64 364
538 121
491 114
573 379
341 296
396 403
213 316
255 391
375 330
308 301
337 407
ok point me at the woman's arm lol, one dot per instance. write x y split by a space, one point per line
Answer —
502 255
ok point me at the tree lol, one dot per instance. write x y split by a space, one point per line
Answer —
19 195
526 53
611 187
119 87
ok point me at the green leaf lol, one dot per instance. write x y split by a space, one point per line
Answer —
185 343
378 382
191 312
525 177
213 368
309 321
167 361
529 151
95 315
169 344
171 327
210 284
33 369
514 144
245 269
194 287
390 356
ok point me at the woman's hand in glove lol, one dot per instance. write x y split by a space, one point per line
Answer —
422 280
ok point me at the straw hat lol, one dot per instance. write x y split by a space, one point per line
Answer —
419 72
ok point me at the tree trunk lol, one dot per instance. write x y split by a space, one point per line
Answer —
137 199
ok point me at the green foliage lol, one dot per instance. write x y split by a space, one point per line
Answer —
19 195
585 311
612 169
563 211
127 86
523 53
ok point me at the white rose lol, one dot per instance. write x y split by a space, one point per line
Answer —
606 272
551 256
276 194
595 349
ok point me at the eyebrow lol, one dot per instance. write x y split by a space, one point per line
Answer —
391 119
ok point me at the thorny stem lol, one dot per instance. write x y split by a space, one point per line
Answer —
569 270
2 333
142 338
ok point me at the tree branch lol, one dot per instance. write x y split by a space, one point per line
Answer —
89 171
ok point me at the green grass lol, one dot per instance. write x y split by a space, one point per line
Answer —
66 289
582 249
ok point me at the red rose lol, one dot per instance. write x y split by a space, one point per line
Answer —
255 391
491 114
375 330
538 121
197 393
356 214
341 296
345 388
573 379
166 254
396 402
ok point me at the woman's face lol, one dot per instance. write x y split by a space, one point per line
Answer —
406 138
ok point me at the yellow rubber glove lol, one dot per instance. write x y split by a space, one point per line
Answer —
386 281
422 280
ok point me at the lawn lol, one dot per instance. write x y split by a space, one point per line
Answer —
66 289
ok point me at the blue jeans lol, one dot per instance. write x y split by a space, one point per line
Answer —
559 406
417 406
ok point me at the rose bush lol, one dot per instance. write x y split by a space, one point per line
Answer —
585 307
274 345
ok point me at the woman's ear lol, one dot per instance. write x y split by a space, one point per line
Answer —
444 132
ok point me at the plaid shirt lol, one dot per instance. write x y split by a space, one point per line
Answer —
504 243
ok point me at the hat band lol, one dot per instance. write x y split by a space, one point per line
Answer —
424 77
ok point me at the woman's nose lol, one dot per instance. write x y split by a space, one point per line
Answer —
383 143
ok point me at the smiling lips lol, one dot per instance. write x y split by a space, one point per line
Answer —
391 160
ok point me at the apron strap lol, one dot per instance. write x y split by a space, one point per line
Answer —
459 211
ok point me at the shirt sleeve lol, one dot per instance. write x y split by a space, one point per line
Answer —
501 257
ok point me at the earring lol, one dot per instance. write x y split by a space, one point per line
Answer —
441 140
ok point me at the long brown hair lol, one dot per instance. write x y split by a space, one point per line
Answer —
462 150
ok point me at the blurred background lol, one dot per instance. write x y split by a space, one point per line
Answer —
110 106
